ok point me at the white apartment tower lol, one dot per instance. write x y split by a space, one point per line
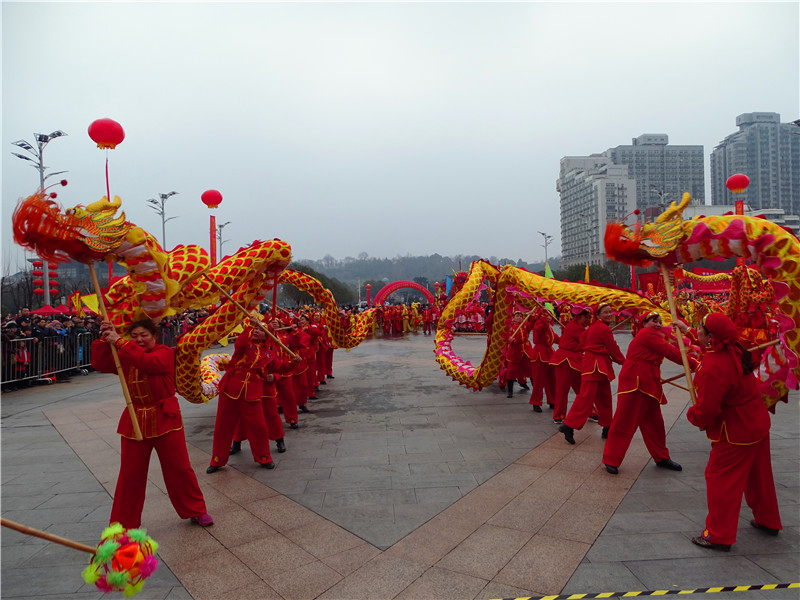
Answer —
593 192
768 152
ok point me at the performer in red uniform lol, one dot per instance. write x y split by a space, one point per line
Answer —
566 362
640 396
427 319
542 378
599 350
519 366
149 370
240 392
731 412
284 384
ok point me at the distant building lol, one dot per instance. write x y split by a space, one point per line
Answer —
663 173
768 152
648 174
593 191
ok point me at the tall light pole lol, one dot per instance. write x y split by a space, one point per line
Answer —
220 241
159 207
547 238
41 141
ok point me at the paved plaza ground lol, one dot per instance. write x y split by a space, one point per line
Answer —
400 484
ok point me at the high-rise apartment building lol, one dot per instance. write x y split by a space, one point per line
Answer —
648 174
593 192
663 173
768 152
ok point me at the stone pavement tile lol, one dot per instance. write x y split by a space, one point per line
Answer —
694 572
306 581
544 564
426 457
44 518
260 590
351 559
236 527
349 461
360 471
347 516
783 567
579 519
267 560
440 584
323 538
593 578
41 582
368 497
14 555
434 540
210 576
446 495
543 457
497 591
432 481
657 521
662 480
87 532
184 542
382 577
517 476
752 541
75 500
414 515
310 501
431 468
485 552
579 461
17 502
281 513
631 547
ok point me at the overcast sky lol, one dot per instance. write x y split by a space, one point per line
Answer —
385 128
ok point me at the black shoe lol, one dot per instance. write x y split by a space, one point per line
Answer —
537 408
551 406
280 410
323 382
764 528
502 388
510 387
612 470
314 397
236 447
669 464
269 465
568 433
594 418
330 377
303 409
558 421
701 541
604 435
294 426
524 386
281 445
212 469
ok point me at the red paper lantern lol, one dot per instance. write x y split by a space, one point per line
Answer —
211 198
37 273
53 274
52 266
737 183
37 264
53 291
53 283
38 291
107 133
38 282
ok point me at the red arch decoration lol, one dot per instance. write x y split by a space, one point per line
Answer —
391 288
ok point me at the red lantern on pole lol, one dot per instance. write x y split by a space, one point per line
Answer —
39 292
38 282
53 275
212 199
53 291
37 264
37 273
106 133
737 183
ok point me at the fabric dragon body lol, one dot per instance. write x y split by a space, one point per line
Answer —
161 283
774 249
514 288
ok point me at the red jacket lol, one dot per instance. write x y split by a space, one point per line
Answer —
151 383
599 349
244 376
729 407
570 346
543 340
642 369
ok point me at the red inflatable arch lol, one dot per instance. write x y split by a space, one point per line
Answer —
391 288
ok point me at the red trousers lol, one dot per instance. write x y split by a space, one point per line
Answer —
566 377
320 371
269 407
300 383
182 487
593 393
329 361
734 471
542 382
636 410
229 411
286 398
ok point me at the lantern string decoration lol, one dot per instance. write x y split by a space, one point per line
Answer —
737 183
107 134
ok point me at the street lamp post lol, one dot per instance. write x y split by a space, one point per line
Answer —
547 238
158 206
220 241
41 141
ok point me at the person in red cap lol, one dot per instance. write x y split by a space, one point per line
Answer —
597 373
640 396
730 410
542 379
566 362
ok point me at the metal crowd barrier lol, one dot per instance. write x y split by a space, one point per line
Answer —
41 360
